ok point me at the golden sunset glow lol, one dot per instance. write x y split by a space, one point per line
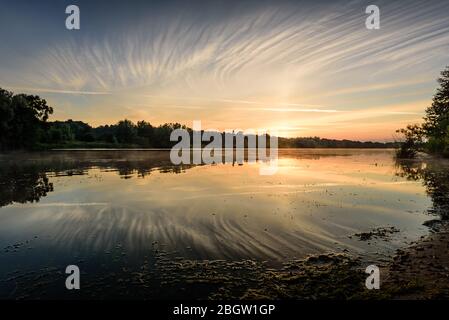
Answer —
304 70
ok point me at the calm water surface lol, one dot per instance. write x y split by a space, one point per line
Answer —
110 210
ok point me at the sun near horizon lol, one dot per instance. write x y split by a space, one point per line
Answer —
303 69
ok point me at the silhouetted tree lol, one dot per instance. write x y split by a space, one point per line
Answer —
23 124
413 141
126 131
22 118
6 116
435 128
437 116
145 131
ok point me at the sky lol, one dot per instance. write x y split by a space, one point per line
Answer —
303 68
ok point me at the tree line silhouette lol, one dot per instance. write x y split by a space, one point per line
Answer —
24 125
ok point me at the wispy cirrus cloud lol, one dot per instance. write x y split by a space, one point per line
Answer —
43 90
296 110
307 62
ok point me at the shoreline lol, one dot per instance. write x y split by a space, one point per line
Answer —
421 271
418 272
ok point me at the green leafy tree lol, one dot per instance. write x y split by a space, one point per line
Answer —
126 131
435 129
145 132
22 118
413 141
60 132
6 116
437 115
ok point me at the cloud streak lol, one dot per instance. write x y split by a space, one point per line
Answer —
284 58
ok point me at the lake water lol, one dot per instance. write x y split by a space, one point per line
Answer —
115 212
